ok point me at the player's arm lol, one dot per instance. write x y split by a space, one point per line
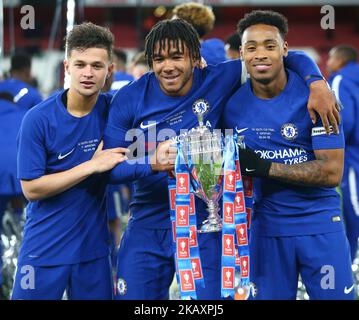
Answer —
162 159
325 171
52 184
321 99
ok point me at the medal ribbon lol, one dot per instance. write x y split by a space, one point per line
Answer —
228 220
184 229
243 207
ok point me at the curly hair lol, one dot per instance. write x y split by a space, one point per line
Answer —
267 17
201 17
88 35
179 32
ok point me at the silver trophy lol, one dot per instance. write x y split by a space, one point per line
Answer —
203 154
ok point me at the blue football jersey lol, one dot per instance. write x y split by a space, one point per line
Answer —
11 116
24 94
280 130
142 110
120 79
70 227
212 50
346 89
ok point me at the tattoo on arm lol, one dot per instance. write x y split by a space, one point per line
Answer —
311 173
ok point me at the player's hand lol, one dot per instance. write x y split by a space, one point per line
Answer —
322 101
252 165
164 157
104 160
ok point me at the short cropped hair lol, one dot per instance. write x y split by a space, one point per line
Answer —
267 17
233 41
88 35
120 55
200 16
179 31
20 61
347 53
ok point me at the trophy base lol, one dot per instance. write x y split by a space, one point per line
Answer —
210 226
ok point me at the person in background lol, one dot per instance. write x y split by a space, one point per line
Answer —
202 18
232 46
120 76
344 80
139 65
19 84
11 197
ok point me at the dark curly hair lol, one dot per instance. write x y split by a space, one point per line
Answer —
177 30
267 17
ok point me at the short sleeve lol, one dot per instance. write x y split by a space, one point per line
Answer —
31 157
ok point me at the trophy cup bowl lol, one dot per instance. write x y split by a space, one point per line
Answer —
203 155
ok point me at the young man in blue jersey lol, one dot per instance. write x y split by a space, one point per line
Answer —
18 85
157 107
297 226
60 161
344 80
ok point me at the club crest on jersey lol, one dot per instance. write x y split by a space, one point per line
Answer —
289 131
121 286
200 106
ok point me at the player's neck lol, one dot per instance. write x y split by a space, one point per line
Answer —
271 89
79 105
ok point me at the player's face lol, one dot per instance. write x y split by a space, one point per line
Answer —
263 50
334 62
88 70
173 68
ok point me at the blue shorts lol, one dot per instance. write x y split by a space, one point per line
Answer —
146 267
91 280
350 193
322 260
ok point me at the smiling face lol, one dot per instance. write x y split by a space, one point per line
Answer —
173 68
88 69
263 50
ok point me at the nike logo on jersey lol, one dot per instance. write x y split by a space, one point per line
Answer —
347 291
148 125
20 94
250 170
62 156
241 130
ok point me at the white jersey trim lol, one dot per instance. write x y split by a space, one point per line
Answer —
353 190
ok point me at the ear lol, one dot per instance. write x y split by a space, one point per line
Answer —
241 52
110 69
66 66
285 48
